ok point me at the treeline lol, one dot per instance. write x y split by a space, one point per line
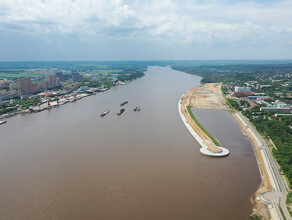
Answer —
106 82
234 104
213 74
281 134
26 103
233 73
129 75
6 110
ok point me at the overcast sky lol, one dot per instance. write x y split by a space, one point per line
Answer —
145 30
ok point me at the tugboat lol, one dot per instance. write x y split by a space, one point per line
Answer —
137 109
124 103
121 111
3 122
104 113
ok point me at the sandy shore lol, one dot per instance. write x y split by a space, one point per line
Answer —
209 96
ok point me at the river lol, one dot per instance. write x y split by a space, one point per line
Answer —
68 163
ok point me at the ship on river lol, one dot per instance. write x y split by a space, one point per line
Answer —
121 111
3 122
104 113
124 103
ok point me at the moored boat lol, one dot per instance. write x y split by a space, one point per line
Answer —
137 109
3 122
104 113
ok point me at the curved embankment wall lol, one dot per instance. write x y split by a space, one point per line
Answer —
204 147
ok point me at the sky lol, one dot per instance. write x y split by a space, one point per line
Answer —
52 30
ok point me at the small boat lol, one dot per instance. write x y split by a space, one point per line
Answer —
124 103
121 111
104 113
3 122
137 109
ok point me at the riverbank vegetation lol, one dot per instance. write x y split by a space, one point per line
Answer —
277 130
129 75
233 104
7 110
201 127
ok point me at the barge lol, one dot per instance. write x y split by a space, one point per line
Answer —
104 113
124 103
121 111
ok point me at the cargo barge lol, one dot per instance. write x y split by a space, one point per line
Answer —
104 113
121 111
124 103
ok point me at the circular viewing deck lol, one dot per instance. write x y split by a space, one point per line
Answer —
222 153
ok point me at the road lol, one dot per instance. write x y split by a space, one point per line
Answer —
277 196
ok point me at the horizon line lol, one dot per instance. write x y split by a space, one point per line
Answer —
286 59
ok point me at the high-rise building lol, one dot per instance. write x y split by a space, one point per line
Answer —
24 86
41 86
34 87
46 84
76 77
52 81
58 83
62 77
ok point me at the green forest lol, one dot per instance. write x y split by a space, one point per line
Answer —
129 75
281 134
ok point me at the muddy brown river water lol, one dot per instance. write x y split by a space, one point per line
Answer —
68 163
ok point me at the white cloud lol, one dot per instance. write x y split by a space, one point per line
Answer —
208 22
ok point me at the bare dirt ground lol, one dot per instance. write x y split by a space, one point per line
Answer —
209 96
206 96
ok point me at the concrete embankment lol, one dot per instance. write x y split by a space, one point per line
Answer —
204 146
272 192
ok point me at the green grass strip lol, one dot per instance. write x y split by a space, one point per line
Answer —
282 213
202 128
254 217
289 201
289 198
